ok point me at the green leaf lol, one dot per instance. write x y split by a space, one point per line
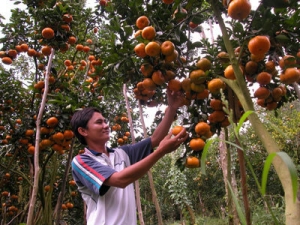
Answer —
242 120
204 154
288 162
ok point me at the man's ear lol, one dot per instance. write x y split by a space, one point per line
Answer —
82 131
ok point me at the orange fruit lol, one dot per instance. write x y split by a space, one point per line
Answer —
79 47
259 45
193 25
146 69
197 87
137 33
65 27
57 147
58 137
47 188
29 132
152 49
158 77
31 149
52 121
203 64
7 60
24 47
172 57
167 48
149 33
215 85
31 52
262 92
177 129
46 143
217 116
263 78
169 75
270 66
288 61
229 72
186 84
72 40
46 50
197 144
197 76
277 93
239 9
202 128
12 53
48 33
120 141
174 85
223 57
68 18
203 94
139 50
290 75
86 49
192 162
216 104
142 22
251 67
149 84
67 62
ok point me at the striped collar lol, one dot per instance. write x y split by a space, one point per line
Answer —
99 153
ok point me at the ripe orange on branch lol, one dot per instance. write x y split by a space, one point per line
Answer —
239 9
167 48
202 128
142 22
259 45
139 50
197 144
192 162
263 78
7 60
48 33
149 33
215 85
177 129
52 121
152 49
174 85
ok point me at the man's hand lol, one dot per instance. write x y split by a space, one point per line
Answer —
169 143
175 99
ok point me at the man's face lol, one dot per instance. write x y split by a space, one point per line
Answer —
97 128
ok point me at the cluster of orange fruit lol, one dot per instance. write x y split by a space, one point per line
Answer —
149 47
120 126
56 140
197 143
268 94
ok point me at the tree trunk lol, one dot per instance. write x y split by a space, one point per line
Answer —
136 183
225 163
30 219
150 177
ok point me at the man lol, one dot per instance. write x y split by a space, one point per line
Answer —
105 176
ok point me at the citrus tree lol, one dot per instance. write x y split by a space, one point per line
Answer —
60 56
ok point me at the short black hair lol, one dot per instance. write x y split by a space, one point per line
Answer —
81 119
